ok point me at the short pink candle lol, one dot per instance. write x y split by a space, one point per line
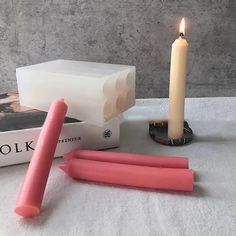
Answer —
130 175
129 158
31 196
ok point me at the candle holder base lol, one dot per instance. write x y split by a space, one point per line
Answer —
158 130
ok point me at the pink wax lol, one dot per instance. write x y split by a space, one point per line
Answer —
31 196
130 175
129 158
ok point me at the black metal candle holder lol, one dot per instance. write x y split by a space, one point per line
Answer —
158 130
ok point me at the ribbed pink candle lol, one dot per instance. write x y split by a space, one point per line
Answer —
129 158
31 195
130 175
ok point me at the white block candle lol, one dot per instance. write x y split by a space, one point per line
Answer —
177 85
94 92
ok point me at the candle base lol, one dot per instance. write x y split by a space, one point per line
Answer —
158 130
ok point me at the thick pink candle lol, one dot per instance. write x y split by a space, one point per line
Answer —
129 158
31 196
130 175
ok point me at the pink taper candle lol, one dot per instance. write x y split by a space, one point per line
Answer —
130 175
129 158
31 196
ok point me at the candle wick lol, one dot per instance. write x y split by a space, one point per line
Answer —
181 34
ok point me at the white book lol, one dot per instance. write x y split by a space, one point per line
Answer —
20 128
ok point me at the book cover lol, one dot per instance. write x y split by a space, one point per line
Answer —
20 127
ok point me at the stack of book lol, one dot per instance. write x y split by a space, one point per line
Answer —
20 127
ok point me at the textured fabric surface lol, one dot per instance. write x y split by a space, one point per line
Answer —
77 208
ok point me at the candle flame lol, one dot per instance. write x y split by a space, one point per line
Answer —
182 27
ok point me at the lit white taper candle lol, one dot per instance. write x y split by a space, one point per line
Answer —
177 85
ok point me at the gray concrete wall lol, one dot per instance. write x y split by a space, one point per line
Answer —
137 32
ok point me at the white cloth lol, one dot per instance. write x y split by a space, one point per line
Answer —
78 208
